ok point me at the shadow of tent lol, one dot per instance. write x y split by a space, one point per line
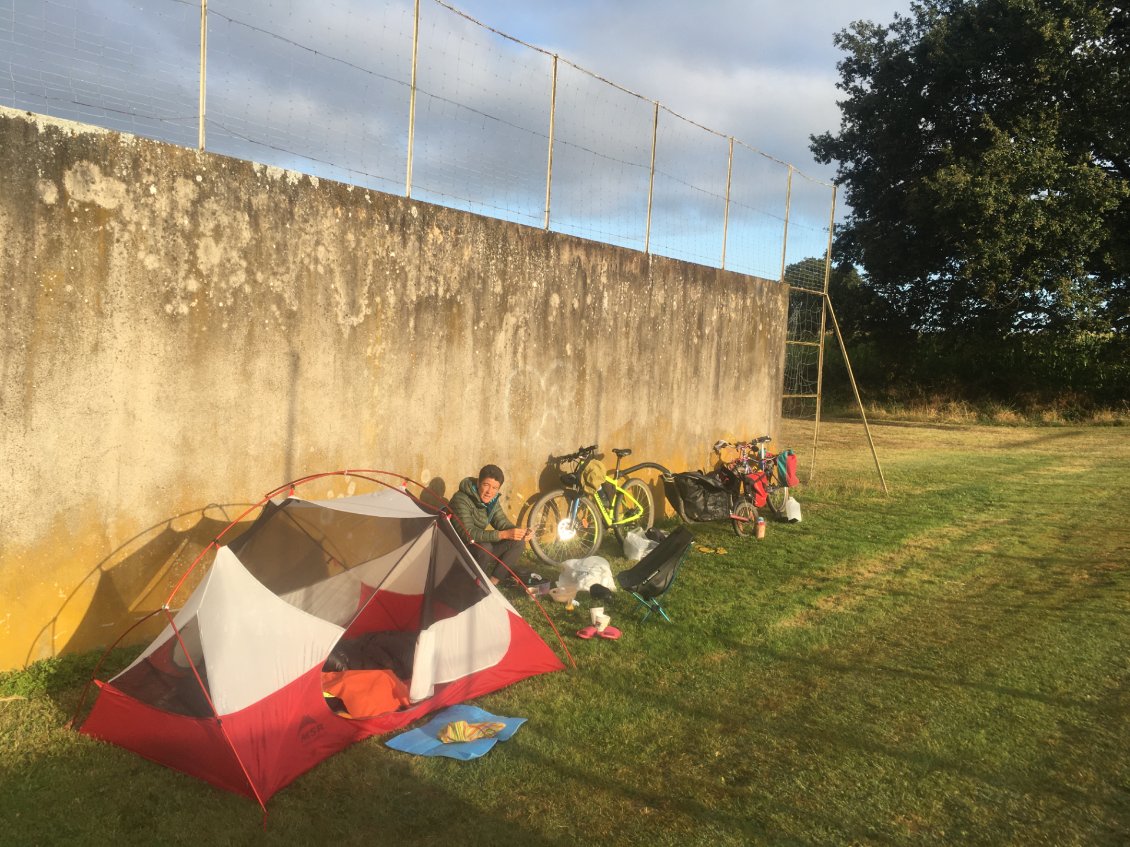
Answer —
126 586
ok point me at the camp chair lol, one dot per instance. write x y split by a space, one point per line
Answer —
654 574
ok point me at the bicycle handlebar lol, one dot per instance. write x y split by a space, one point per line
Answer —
582 453
750 443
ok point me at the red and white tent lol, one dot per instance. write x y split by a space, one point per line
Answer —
375 593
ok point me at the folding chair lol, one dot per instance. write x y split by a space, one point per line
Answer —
648 580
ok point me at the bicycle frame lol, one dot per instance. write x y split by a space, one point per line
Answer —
768 463
607 513
741 467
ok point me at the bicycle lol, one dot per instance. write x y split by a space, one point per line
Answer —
569 523
754 455
694 492
738 476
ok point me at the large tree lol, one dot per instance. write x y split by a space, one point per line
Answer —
984 152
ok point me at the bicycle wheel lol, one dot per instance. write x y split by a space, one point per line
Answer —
745 519
776 499
553 540
642 494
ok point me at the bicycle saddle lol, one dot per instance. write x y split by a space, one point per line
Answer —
622 451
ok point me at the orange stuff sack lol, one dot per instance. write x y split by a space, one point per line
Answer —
366 693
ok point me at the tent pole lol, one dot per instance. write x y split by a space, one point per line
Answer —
102 659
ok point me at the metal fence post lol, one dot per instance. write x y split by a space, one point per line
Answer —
651 179
412 102
203 71
552 118
785 234
726 213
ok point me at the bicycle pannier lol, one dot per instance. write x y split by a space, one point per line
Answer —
756 488
786 468
704 497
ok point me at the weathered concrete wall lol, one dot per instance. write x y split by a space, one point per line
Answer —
184 332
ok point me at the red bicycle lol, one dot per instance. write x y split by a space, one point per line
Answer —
763 474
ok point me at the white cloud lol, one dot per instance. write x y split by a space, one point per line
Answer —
327 81
764 72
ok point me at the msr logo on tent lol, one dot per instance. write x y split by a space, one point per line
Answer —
309 729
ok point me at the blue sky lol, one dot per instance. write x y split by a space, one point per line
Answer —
321 86
764 72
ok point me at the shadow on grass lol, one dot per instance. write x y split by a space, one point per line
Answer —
94 793
645 801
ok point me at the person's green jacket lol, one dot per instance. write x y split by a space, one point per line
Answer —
481 521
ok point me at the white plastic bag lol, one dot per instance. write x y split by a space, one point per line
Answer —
637 545
583 574
792 510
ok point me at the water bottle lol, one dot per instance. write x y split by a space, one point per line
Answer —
760 527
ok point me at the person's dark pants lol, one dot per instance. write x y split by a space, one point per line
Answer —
509 551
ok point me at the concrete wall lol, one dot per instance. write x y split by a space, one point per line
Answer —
183 332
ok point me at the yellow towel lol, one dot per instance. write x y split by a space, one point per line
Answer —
464 731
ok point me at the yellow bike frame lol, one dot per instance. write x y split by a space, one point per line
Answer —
606 513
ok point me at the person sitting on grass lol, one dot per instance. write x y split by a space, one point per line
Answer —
483 525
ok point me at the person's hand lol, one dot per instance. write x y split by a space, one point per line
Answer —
515 534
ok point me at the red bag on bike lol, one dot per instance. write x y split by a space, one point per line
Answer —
756 488
786 468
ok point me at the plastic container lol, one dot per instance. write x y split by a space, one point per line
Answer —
760 527
563 595
792 510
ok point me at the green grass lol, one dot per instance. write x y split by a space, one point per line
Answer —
946 665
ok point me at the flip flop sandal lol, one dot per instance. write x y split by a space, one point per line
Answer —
586 633
609 632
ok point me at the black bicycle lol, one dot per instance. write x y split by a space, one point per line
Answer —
697 497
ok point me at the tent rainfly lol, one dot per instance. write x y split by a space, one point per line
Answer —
373 597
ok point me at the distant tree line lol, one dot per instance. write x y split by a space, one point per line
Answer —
984 153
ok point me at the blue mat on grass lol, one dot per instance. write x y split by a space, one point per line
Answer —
424 740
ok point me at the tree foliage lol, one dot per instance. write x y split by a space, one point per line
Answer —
984 152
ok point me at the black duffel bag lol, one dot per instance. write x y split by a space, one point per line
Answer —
704 496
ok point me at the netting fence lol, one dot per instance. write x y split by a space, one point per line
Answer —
415 97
